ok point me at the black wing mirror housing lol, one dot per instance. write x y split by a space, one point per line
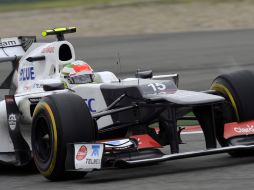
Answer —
144 74
53 86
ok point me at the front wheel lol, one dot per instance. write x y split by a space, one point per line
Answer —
59 119
238 90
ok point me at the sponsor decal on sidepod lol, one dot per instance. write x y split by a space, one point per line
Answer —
89 102
12 121
26 73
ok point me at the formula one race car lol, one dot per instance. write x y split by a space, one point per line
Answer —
69 130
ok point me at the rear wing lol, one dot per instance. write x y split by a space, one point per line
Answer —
15 46
11 50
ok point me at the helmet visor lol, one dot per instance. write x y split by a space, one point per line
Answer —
81 79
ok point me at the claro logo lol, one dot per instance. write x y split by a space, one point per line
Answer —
247 129
7 44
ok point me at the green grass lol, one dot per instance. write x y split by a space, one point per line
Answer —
45 4
17 5
187 122
180 122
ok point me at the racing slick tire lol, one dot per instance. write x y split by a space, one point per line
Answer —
238 89
59 119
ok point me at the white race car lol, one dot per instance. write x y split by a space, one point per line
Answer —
69 131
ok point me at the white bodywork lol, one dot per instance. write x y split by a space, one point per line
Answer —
30 79
31 76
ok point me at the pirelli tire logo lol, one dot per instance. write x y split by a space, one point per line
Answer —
7 43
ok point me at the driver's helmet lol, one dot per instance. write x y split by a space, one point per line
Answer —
77 72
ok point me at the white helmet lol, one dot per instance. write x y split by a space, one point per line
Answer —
77 72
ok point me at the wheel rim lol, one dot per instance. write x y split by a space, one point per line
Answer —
226 92
43 140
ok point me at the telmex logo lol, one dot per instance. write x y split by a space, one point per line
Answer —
7 44
82 152
248 129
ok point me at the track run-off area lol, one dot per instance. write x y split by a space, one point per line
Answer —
198 57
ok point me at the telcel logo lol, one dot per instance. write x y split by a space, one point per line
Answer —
89 103
27 74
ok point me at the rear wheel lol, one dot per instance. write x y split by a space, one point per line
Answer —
238 90
59 119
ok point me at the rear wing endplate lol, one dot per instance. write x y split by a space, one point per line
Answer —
11 50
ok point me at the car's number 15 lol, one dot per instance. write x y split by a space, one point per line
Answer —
157 86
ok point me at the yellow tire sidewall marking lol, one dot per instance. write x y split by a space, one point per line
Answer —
224 90
40 106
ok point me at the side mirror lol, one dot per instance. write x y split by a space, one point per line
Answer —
53 86
144 74
36 58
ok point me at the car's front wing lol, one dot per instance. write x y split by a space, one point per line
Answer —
89 157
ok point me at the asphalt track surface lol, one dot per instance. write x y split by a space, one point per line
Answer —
198 57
